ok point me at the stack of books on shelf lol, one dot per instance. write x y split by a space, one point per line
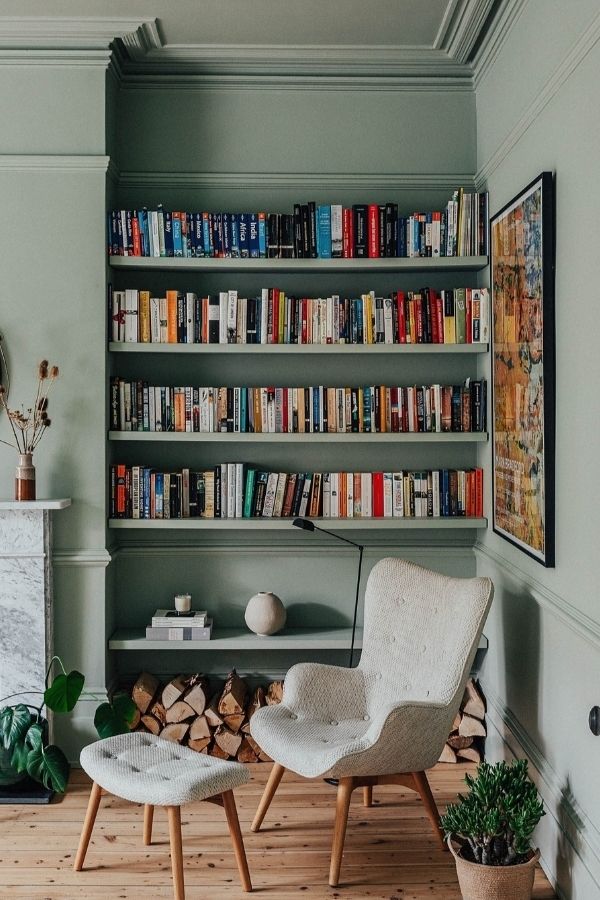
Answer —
309 231
169 625
236 491
427 316
138 406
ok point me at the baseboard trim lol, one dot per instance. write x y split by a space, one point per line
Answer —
577 621
94 559
568 823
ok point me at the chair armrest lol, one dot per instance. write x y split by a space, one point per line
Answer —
413 732
328 692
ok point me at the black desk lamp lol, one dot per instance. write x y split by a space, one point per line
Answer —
308 525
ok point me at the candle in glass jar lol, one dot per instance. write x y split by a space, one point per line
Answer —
183 603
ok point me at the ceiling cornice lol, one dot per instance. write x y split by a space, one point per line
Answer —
505 20
78 33
464 28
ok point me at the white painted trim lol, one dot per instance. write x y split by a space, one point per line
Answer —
94 559
465 27
294 180
440 41
60 57
559 76
79 32
154 78
504 21
559 606
316 546
53 163
576 827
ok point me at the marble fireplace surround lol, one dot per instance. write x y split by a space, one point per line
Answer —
26 601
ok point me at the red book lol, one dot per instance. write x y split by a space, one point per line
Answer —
304 319
275 326
469 317
479 493
419 319
120 504
395 418
439 316
347 233
284 416
433 323
401 317
135 230
373 230
377 498
404 409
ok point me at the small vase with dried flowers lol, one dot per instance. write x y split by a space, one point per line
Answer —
28 427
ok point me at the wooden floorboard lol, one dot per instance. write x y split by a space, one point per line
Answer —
391 853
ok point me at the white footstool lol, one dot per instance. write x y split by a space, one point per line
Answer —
145 769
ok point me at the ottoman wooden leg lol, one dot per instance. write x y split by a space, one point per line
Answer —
368 795
148 818
176 851
86 833
236 838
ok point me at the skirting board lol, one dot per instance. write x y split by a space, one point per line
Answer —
569 842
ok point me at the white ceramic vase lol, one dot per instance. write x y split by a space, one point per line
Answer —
265 614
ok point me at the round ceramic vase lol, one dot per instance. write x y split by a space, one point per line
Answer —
265 614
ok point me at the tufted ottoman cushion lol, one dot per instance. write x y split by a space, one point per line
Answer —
142 768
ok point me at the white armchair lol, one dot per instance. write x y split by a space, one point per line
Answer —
387 720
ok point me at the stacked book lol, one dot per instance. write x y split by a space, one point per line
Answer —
426 316
169 625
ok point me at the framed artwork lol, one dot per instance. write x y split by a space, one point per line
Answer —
523 369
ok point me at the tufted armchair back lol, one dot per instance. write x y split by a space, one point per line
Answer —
421 632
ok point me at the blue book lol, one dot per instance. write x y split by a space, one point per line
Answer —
198 232
216 233
143 226
145 489
235 235
324 232
243 408
169 251
227 234
367 409
253 241
445 492
316 420
244 235
159 491
206 235
187 237
401 236
177 241
262 235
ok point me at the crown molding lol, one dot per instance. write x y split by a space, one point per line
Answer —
53 163
193 81
464 28
291 180
82 33
52 57
88 559
505 20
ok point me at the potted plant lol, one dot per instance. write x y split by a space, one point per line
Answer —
24 747
489 832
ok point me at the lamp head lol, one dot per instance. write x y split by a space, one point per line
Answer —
305 524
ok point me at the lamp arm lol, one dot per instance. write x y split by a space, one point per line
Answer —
338 536
360 558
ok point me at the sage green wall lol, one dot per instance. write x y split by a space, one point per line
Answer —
537 109
52 184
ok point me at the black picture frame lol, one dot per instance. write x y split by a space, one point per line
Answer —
522 274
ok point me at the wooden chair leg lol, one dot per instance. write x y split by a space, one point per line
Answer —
148 819
236 838
422 787
269 792
368 795
176 851
86 833
344 795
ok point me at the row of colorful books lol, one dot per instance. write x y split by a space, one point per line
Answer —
310 231
427 316
236 491
138 406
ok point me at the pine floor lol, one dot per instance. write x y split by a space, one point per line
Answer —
390 851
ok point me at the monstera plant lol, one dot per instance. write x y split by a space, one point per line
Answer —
24 747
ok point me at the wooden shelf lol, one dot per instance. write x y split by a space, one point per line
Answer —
260 524
242 639
307 349
208 264
413 437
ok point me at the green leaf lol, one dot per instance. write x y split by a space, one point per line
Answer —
19 756
124 707
34 737
14 722
64 692
116 717
49 766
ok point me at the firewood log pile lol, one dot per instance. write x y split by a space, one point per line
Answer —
465 741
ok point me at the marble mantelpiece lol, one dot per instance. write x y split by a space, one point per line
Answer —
26 607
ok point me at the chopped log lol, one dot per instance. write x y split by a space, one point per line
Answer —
199 744
263 757
456 723
151 724
215 750
135 721
176 731
471 727
472 754
473 703
200 729
257 701
159 712
180 711
227 740
144 691
197 695
245 728
212 711
246 753
447 755
458 742
173 691
233 698
234 722
274 693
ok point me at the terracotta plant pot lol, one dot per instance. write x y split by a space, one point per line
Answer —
25 478
479 882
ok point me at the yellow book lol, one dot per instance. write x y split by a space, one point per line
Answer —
144 317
